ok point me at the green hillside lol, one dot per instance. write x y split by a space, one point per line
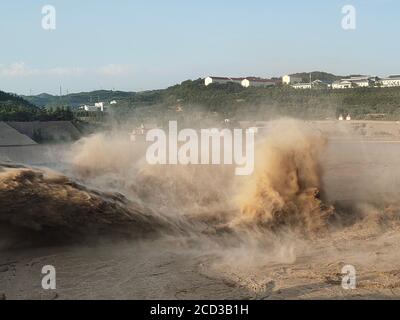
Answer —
77 99
323 76
15 108
12 99
191 100
235 102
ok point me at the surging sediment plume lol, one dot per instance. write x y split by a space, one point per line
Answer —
109 189
286 187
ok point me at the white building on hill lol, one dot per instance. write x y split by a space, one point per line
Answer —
257 82
244 82
355 82
222 80
98 106
363 81
316 84
342 84
288 79
89 108
301 85
391 81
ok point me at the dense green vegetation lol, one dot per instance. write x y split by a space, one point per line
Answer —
235 102
192 100
14 108
323 76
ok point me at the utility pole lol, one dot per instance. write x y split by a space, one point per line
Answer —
60 95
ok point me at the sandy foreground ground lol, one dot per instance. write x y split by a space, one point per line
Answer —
163 270
358 173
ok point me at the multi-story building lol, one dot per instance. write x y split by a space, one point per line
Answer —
98 106
288 79
316 84
301 85
257 82
222 80
355 82
342 84
244 82
390 81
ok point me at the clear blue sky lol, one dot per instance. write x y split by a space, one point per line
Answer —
137 45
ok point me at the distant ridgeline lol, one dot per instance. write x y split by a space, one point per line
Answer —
15 108
235 102
193 100
75 100
13 100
